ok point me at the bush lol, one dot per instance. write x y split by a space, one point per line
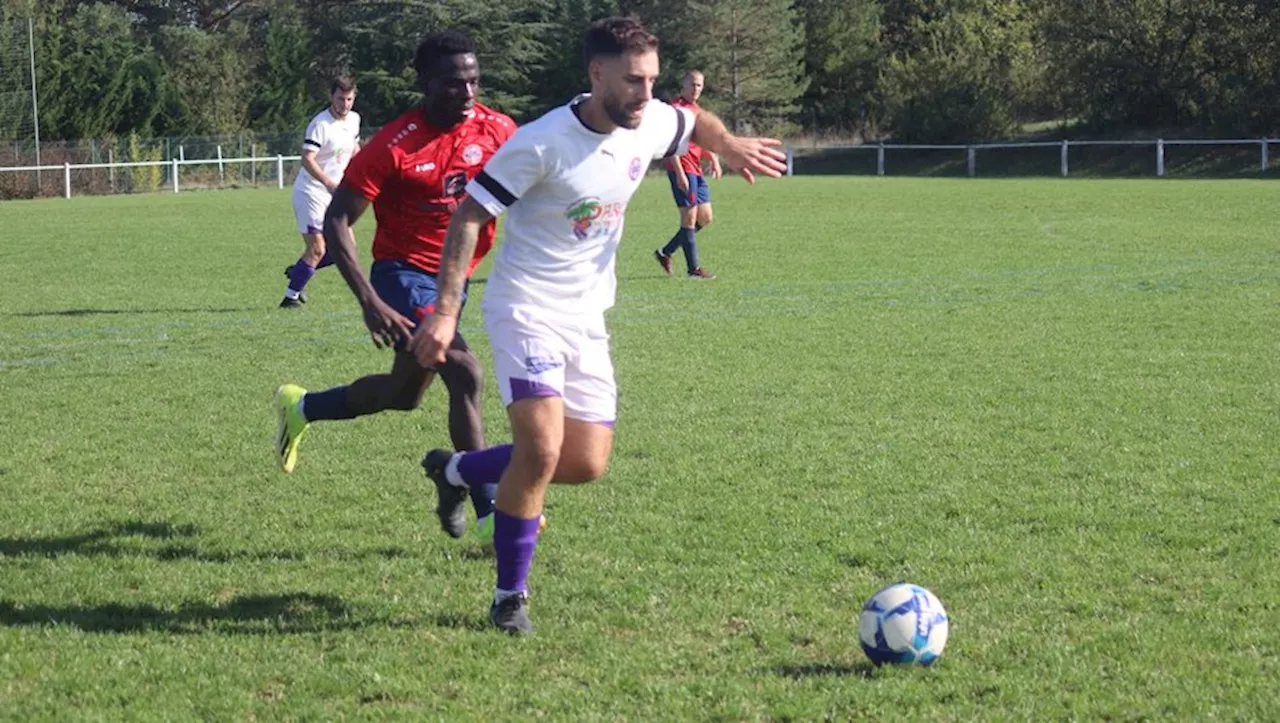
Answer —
145 178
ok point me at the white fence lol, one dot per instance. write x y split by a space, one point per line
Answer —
174 167
882 151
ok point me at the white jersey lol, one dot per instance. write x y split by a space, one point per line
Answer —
334 141
566 188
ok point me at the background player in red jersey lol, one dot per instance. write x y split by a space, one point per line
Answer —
689 186
413 172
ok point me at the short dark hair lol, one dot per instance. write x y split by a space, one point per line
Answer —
344 83
443 44
614 36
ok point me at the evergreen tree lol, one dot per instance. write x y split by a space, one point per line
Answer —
281 100
95 79
752 57
842 60
957 69
209 73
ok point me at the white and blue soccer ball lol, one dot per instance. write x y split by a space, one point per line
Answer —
903 623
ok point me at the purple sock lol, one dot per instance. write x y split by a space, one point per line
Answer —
325 260
299 274
514 540
484 466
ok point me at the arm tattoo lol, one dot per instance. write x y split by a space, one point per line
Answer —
455 257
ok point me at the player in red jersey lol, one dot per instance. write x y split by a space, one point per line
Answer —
689 186
413 172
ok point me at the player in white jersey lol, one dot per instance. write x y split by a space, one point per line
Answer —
332 138
564 182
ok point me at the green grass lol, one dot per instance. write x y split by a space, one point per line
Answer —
1054 403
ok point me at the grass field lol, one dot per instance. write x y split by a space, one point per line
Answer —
1054 403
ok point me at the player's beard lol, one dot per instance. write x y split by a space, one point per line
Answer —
620 114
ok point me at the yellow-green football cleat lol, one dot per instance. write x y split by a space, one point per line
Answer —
484 530
291 425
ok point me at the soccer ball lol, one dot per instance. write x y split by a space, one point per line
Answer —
903 623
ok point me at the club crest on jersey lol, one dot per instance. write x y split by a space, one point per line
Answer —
591 218
634 170
472 154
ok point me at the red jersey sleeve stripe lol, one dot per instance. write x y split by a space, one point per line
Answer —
500 193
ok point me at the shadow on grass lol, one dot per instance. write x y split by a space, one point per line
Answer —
864 669
113 312
107 542
246 615
459 621
95 542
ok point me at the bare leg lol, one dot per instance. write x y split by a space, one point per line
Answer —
401 389
463 377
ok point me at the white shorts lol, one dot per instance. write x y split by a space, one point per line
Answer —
540 355
309 208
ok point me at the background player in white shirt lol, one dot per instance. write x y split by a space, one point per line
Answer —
565 180
332 138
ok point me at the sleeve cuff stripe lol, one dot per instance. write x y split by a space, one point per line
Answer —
310 142
675 142
500 194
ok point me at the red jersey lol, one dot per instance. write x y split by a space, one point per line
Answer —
415 175
690 162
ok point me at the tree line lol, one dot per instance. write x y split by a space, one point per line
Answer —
908 70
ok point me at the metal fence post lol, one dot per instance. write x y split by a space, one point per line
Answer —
880 159
791 160
279 171
222 175
971 158
111 168
253 163
1064 158
1265 160
66 178
174 173
1160 157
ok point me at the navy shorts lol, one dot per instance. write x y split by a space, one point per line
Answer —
410 291
699 192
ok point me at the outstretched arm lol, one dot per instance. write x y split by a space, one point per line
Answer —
748 155
436 332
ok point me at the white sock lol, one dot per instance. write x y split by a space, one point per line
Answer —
290 294
499 595
451 472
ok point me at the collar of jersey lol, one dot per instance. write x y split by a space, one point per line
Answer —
577 101
468 116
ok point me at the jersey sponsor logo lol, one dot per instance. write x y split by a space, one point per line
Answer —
472 154
592 219
424 167
538 364
455 184
634 170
